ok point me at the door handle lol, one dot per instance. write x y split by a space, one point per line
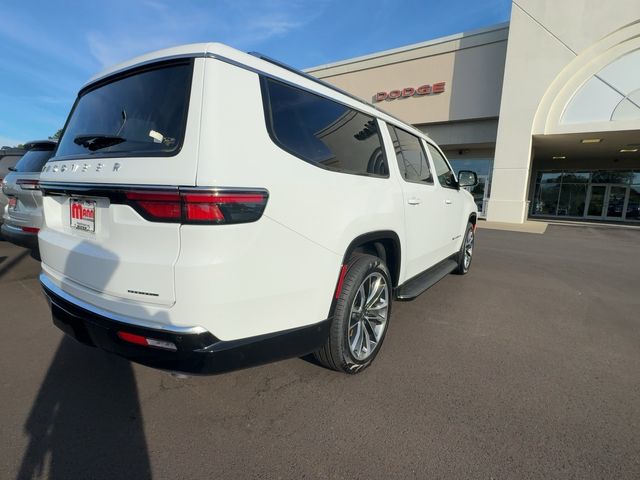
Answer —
447 201
414 201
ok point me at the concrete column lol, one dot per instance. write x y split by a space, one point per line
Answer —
534 58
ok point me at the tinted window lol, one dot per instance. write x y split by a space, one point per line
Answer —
143 113
323 132
443 172
34 160
412 160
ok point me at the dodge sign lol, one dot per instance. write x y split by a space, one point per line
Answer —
426 89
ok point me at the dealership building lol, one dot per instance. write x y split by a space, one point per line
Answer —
545 108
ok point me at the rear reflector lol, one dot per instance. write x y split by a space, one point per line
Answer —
146 341
343 273
27 184
30 229
199 206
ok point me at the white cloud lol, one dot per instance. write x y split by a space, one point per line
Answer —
238 23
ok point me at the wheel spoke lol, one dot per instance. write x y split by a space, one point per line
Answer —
373 288
374 296
382 304
370 328
378 318
360 305
366 342
357 338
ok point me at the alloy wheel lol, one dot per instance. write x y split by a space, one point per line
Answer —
468 249
368 316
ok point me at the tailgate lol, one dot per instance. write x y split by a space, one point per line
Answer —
108 247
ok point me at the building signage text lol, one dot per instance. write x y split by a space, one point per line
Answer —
411 92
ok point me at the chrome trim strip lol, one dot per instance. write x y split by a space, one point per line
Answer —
46 281
44 185
50 188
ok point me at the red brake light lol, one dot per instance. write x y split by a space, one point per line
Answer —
132 338
27 184
159 206
146 341
204 212
199 206
223 206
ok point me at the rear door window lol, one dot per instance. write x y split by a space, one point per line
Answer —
323 132
141 114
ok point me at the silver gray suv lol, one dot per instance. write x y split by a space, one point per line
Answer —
22 215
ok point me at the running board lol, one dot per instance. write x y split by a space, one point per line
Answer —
421 282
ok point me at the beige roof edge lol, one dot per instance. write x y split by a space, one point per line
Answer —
415 46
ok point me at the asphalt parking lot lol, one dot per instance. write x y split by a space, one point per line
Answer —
529 367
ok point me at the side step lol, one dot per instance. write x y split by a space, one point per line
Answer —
421 282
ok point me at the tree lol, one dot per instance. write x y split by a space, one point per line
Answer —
56 136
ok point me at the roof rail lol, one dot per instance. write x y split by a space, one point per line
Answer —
320 82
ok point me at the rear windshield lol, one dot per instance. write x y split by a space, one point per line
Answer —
34 160
141 114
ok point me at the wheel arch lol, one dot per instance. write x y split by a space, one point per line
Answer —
382 243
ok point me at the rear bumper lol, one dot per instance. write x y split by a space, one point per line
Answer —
198 351
17 236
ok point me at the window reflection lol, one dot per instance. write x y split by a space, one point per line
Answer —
596 194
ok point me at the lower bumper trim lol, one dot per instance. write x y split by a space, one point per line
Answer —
197 353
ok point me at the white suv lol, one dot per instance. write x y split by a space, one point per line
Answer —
209 209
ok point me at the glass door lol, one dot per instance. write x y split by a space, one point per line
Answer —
617 196
595 201
480 194
607 202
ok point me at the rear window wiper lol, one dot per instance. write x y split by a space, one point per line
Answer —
98 141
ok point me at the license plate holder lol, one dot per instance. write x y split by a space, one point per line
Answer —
82 214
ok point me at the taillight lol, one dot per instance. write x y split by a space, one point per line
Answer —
199 206
30 229
158 206
27 184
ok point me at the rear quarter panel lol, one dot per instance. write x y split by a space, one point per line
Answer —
312 215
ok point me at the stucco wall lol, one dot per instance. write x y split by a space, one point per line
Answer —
545 37
471 64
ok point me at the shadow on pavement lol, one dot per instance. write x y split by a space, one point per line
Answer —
8 265
86 421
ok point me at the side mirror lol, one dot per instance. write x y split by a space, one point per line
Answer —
467 178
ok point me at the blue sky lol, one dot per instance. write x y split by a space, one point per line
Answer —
49 49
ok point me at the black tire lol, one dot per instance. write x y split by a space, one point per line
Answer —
463 267
337 354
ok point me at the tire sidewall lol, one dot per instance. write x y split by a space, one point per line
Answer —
461 267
